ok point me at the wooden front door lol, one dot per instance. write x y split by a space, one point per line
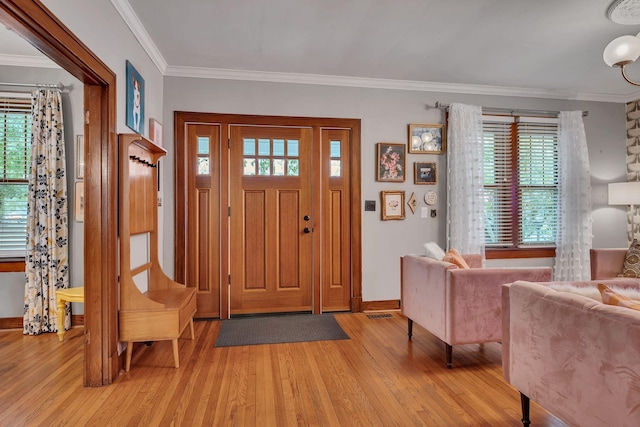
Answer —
271 219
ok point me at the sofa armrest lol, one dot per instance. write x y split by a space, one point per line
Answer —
607 263
474 301
422 291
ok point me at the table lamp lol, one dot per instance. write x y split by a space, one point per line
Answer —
625 193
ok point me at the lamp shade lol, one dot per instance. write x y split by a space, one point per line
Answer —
624 193
623 50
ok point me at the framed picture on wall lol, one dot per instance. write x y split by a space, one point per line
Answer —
155 132
424 173
426 139
79 201
392 204
135 99
79 156
390 162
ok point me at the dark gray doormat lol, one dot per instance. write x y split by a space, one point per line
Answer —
279 329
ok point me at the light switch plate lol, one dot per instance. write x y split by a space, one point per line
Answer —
424 212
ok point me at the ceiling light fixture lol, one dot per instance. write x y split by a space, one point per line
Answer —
624 50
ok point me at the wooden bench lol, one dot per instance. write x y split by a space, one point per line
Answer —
165 309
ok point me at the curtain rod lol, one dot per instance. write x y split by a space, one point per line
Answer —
39 85
511 111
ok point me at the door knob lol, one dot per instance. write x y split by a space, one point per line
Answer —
307 230
306 217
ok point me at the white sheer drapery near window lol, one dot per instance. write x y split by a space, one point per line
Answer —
46 260
574 235
465 182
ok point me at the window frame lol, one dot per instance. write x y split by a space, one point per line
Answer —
514 250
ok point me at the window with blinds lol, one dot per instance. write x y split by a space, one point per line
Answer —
15 144
520 181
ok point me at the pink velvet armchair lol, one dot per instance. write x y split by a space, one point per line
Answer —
459 306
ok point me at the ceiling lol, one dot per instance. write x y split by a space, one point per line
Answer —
543 48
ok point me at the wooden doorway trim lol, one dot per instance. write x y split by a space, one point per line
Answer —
35 23
182 119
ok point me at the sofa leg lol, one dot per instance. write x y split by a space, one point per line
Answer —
524 400
410 325
449 355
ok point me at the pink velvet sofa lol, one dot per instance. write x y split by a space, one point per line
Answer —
459 306
576 357
606 264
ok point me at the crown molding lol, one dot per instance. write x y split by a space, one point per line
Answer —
363 82
131 19
27 61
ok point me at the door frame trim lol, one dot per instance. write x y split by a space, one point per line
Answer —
39 26
183 118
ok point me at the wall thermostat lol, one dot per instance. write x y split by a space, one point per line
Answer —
431 198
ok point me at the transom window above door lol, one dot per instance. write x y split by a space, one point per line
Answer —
271 157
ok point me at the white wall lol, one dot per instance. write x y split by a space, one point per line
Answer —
385 115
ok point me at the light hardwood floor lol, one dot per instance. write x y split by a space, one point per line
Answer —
376 378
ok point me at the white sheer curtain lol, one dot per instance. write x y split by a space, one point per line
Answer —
574 235
465 183
46 261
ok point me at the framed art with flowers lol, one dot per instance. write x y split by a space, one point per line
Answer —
427 139
391 162
392 204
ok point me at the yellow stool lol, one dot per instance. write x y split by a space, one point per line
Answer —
64 296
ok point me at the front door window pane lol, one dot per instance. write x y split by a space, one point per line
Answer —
264 167
336 168
278 167
264 147
249 147
203 165
203 145
249 167
293 167
335 149
278 147
292 148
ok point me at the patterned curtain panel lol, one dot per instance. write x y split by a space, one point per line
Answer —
574 236
465 188
47 266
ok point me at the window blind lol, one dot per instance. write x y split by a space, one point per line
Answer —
520 181
498 180
15 144
538 180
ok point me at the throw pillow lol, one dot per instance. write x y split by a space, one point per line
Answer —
454 257
434 251
631 266
613 298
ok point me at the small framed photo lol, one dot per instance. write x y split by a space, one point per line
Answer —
79 201
79 156
426 139
424 173
391 162
155 132
392 204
